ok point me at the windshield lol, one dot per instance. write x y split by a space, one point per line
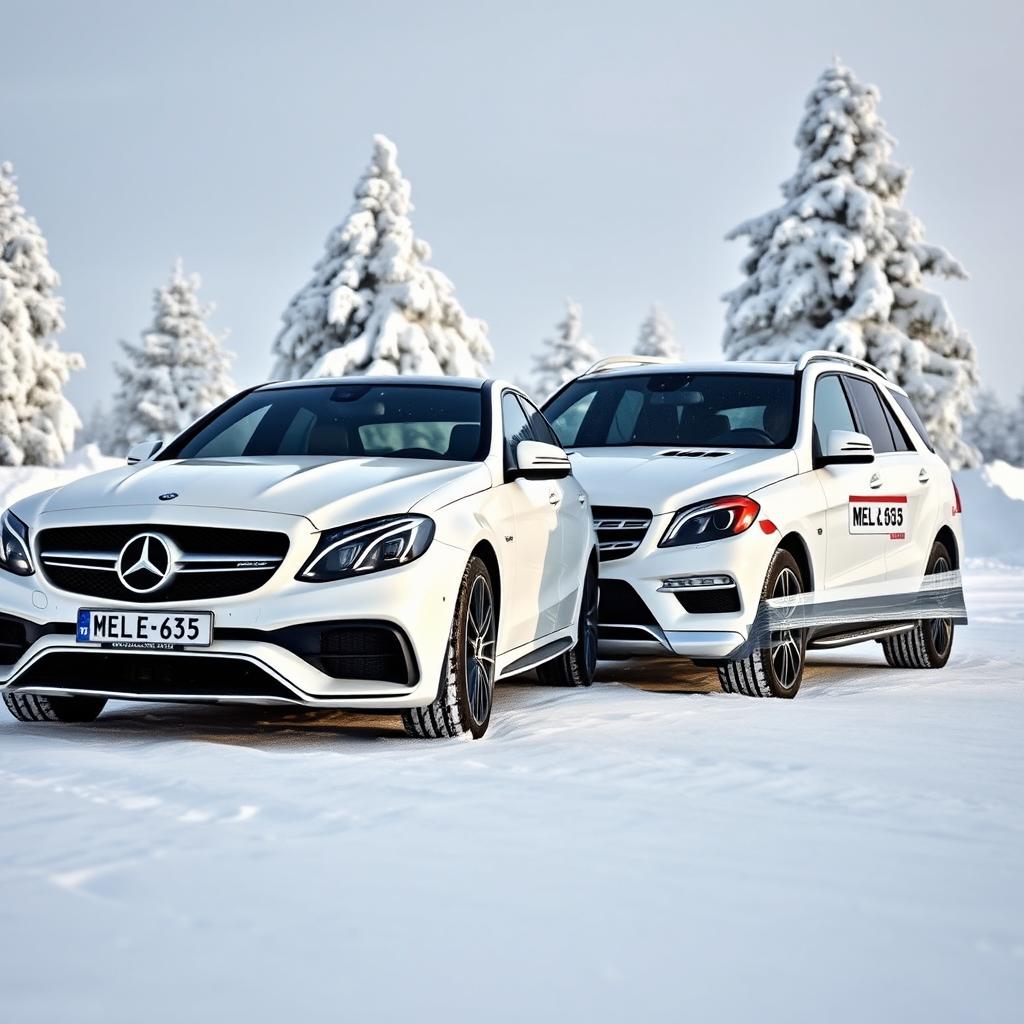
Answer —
398 421
705 410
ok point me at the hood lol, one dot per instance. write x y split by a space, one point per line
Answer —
329 492
648 478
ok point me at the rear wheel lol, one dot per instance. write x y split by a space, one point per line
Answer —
577 666
30 707
778 670
930 642
466 690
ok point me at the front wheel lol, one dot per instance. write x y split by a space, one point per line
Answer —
777 670
466 690
577 666
31 707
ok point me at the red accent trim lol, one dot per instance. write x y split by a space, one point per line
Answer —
889 499
897 536
958 508
767 526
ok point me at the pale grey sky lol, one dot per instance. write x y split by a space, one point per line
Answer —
586 149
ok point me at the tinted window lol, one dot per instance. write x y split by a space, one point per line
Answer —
831 410
899 435
539 426
870 414
662 409
911 413
514 427
384 421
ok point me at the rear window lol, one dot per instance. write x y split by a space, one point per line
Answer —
911 413
706 410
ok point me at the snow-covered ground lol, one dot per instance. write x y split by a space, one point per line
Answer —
648 850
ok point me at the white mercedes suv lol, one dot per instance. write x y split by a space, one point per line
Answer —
364 543
746 511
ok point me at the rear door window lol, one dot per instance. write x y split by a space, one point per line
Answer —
870 414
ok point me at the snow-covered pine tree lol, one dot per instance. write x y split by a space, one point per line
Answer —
176 373
373 304
657 337
996 429
37 423
840 265
565 355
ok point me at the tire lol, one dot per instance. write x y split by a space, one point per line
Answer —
465 693
577 666
29 707
775 671
930 642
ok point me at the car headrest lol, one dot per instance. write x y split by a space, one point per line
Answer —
329 437
463 441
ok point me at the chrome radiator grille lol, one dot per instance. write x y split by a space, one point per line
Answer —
620 529
177 563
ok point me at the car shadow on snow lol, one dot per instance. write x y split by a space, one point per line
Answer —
283 728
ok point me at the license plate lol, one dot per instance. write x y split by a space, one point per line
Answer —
158 631
879 514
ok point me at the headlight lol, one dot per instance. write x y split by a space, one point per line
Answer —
710 520
368 547
14 547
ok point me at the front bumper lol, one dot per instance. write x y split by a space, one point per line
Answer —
656 622
259 653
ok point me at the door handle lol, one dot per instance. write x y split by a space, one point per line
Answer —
922 477
875 482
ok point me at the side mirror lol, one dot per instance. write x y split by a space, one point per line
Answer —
143 451
536 460
847 447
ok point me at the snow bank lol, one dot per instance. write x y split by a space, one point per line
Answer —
21 481
993 499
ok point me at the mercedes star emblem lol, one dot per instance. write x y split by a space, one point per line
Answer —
146 563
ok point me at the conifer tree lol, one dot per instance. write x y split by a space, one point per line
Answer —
568 353
840 265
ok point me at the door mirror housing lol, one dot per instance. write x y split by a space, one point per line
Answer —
847 447
143 451
536 460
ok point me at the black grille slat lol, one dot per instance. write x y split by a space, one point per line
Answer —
109 539
620 529
153 675
709 602
619 604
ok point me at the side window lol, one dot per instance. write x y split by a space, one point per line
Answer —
514 427
871 414
539 426
831 410
911 413
899 435
567 424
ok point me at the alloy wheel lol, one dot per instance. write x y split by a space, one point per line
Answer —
481 630
785 652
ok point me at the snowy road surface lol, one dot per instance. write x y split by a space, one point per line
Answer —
667 853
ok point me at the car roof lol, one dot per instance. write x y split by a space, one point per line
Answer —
475 383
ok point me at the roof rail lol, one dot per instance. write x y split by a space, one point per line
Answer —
821 356
617 362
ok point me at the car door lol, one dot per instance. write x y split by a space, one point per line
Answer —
917 477
532 609
850 558
573 524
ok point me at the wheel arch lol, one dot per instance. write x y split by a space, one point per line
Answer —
486 553
948 538
797 547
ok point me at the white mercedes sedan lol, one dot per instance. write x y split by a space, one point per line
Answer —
385 544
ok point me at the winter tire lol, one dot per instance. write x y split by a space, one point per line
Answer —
774 671
930 642
466 690
577 666
28 707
